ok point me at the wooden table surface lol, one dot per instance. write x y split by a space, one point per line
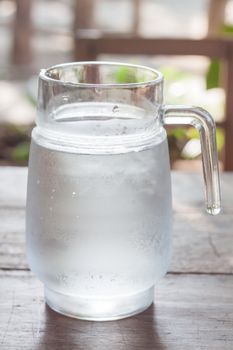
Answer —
193 304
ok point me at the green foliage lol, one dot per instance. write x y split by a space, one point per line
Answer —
178 133
178 137
213 74
220 139
214 70
14 144
125 75
227 29
21 152
192 133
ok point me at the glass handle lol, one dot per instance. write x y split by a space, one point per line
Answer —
204 123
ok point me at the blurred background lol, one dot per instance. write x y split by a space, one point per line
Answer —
38 33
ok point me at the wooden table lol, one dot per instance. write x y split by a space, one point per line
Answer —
193 303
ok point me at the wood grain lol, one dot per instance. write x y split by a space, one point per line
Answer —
12 239
190 312
133 45
189 192
201 243
13 182
22 29
229 110
193 303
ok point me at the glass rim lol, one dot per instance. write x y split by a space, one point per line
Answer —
44 75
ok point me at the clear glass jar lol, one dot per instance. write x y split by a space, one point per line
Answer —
99 212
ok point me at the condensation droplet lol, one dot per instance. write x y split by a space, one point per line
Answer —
53 190
51 197
50 208
62 277
73 194
124 130
38 182
115 109
77 216
98 91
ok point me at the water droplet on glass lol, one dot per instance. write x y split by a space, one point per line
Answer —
38 182
50 208
73 194
53 190
98 91
62 277
51 197
124 130
115 109
77 216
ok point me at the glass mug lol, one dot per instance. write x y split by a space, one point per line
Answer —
99 213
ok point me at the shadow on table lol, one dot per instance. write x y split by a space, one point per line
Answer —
63 333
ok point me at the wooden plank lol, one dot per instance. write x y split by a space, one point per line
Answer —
188 191
83 10
12 239
228 157
84 52
133 45
190 312
201 243
136 4
13 183
216 17
83 19
22 52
